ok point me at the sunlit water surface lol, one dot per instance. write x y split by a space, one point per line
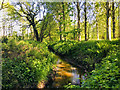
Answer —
65 74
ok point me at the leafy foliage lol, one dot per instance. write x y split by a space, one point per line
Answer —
71 86
90 51
106 74
25 63
105 56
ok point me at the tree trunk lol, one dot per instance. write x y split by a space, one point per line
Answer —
3 27
63 20
93 33
41 35
41 39
31 33
27 34
74 29
119 18
107 17
97 29
109 28
113 18
60 30
78 15
85 22
36 32
11 28
88 32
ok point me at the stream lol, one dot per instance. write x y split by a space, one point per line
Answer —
65 74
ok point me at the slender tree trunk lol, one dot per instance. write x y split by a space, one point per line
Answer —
97 29
11 29
109 28
107 16
88 32
36 32
31 33
78 15
119 18
32 22
3 29
41 39
113 18
93 33
41 36
85 22
63 19
27 34
60 30
74 28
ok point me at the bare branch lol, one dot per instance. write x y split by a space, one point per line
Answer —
2 5
38 21
22 8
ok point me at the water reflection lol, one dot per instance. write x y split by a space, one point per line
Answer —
65 74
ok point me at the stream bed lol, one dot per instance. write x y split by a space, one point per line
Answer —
65 73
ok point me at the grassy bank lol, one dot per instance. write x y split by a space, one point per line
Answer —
26 64
102 58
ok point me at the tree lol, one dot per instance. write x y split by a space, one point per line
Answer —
30 12
74 32
60 10
97 19
107 18
3 26
46 26
119 18
55 8
85 21
63 11
109 28
113 18
78 17
3 4
97 27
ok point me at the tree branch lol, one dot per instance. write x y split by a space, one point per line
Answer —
2 5
22 8
38 21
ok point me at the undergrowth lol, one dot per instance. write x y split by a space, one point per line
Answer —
102 58
25 63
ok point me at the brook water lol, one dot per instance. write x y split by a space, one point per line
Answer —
65 74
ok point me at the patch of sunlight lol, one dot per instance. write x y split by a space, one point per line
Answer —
58 79
41 84
60 65
72 68
65 73
59 69
67 65
67 69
